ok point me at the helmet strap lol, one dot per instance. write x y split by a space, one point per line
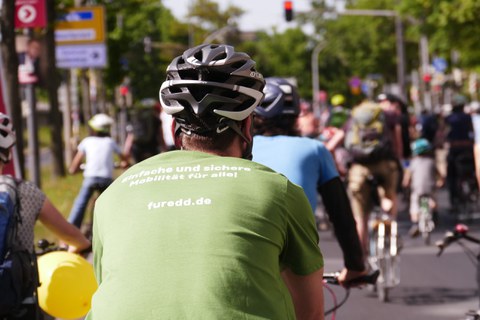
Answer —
176 135
247 152
5 155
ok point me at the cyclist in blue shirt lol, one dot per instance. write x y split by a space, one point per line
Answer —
306 162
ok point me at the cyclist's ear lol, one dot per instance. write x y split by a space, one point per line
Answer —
176 137
247 127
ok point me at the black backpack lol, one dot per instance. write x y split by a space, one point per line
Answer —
17 265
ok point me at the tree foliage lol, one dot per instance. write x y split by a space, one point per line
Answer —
282 55
143 37
206 17
450 25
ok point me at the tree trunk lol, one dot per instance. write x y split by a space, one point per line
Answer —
7 27
52 89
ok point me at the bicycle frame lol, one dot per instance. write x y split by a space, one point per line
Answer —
332 278
425 219
461 232
383 246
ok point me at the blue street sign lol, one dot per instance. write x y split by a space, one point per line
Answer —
77 16
440 64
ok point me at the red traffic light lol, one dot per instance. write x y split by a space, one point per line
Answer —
123 90
288 6
427 77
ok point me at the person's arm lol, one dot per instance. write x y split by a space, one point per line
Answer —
76 162
124 159
476 155
337 205
336 140
407 175
307 293
55 222
398 141
127 147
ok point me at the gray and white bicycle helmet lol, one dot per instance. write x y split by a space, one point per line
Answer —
7 137
100 123
281 98
210 87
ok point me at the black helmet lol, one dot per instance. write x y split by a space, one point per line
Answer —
393 99
281 98
209 87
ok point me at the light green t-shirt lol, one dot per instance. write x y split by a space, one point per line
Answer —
189 235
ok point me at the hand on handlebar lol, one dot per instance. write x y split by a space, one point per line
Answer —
445 242
460 232
346 277
351 279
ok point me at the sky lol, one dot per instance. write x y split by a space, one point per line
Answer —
259 14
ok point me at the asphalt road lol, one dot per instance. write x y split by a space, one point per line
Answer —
431 287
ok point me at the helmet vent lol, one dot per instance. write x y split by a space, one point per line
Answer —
238 65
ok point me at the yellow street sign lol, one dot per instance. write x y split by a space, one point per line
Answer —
81 25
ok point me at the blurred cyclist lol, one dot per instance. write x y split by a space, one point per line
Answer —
422 176
209 234
34 205
460 140
306 162
98 149
333 133
373 139
144 133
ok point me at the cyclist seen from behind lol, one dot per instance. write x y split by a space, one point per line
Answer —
306 162
98 150
460 140
373 139
423 177
144 133
208 233
33 205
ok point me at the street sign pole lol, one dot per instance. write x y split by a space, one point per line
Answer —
32 129
28 15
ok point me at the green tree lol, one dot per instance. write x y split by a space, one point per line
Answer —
361 46
206 17
143 37
283 55
449 25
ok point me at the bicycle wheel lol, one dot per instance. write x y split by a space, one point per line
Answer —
383 293
466 204
425 223
382 255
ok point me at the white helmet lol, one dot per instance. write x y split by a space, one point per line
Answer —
475 106
7 137
100 122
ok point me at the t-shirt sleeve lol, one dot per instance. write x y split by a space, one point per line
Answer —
116 148
82 145
327 167
301 253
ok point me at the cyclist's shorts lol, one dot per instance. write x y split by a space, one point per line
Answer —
387 174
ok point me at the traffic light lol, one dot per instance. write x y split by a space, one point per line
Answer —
288 6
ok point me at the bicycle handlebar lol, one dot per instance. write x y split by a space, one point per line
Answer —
46 246
332 278
460 232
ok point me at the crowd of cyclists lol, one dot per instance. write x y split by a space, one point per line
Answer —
250 244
